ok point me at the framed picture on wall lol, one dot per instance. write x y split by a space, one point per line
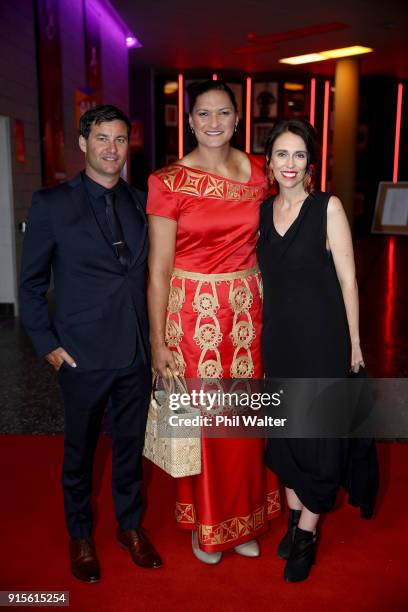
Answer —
265 100
261 131
170 115
296 104
391 209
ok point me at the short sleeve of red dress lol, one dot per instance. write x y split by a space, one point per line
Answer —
161 200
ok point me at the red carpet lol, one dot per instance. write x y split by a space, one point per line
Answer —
362 565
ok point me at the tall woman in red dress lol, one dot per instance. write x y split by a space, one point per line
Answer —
205 298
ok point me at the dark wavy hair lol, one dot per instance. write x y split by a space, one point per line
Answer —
301 128
98 115
199 88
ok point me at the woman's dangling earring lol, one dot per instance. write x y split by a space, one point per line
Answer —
270 177
269 173
192 130
236 127
307 180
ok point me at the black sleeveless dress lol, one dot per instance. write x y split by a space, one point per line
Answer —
305 335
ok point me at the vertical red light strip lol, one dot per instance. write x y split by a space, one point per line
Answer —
180 116
248 115
325 134
389 306
397 134
312 101
215 77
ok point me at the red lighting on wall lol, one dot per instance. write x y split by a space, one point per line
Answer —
248 115
325 134
312 101
397 133
180 116
215 77
389 303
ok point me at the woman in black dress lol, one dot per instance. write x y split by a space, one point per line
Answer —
310 324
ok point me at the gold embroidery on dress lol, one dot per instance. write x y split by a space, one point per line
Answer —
273 502
185 513
192 185
222 276
233 191
186 180
174 329
168 176
214 188
259 281
230 529
207 334
243 331
250 192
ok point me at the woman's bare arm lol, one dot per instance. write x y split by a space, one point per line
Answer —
162 236
341 246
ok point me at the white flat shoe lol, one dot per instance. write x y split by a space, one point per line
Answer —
209 558
249 549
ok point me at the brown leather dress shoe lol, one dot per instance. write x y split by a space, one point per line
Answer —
84 564
141 550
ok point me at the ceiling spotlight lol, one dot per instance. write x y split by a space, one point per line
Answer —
325 55
302 59
132 41
170 87
346 52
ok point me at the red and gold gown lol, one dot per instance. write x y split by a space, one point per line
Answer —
214 328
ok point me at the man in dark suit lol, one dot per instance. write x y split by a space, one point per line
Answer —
91 232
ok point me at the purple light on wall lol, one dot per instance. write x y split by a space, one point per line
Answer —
132 41
128 37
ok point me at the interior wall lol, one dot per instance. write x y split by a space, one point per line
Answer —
19 101
142 108
114 61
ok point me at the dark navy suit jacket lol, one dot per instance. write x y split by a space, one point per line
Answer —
100 315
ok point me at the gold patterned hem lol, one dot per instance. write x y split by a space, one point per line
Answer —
232 529
273 503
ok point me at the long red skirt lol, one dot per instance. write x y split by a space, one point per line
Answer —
214 328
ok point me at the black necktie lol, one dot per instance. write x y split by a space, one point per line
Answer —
119 244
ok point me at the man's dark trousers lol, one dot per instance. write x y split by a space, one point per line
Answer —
86 395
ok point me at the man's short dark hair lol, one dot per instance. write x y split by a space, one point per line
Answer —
99 114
